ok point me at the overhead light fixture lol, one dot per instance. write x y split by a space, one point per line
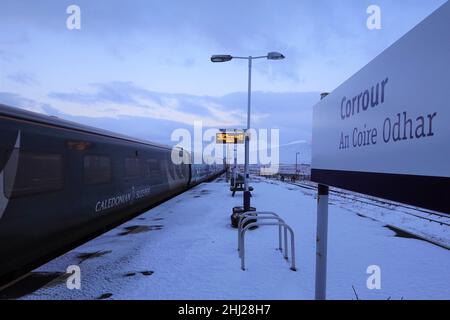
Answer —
221 58
275 56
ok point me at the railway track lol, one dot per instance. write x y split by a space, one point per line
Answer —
385 204
433 217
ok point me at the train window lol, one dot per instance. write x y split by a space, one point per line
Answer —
133 167
33 173
97 169
154 171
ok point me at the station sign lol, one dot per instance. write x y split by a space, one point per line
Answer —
386 131
237 137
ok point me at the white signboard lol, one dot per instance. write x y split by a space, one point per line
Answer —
386 130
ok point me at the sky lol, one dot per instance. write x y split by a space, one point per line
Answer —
141 67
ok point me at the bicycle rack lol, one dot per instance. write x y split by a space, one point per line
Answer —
255 214
267 215
251 225
282 223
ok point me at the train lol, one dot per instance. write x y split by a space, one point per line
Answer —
61 182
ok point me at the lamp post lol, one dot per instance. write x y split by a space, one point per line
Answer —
234 163
296 162
226 58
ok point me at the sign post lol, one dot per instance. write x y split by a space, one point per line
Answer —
234 137
322 238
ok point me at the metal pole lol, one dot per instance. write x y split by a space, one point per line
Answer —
228 173
247 142
322 239
235 164
321 245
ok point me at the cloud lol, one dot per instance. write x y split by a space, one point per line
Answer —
290 112
165 45
22 78
115 99
135 111
295 142
4 56
16 100
8 56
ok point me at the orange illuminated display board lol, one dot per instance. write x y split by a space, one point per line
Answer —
230 137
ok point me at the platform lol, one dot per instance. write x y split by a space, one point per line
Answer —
186 249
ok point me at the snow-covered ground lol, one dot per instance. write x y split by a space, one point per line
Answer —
186 249
423 223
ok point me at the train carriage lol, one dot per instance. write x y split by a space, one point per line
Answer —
61 182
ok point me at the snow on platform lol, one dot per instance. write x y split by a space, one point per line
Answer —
186 249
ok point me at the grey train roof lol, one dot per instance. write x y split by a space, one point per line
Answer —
55 121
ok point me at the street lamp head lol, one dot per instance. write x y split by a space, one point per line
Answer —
221 58
275 56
